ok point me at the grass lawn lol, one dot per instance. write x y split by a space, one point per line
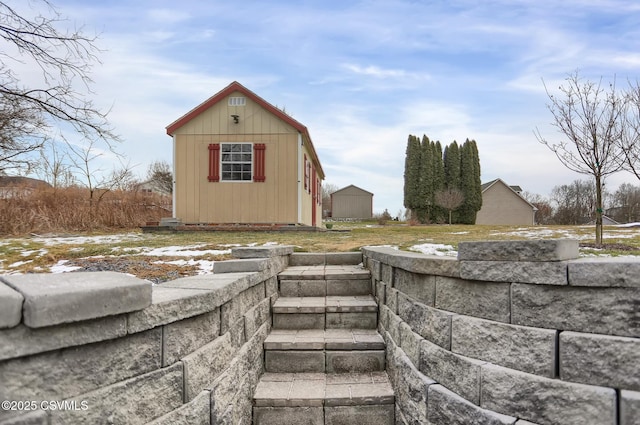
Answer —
190 253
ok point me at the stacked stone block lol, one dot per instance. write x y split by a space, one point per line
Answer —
510 332
114 349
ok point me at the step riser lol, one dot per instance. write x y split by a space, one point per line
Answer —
324 361
334 415
322 288
361 320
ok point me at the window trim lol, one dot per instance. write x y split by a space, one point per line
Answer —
243 152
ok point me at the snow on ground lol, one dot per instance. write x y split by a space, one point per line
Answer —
438 249
542 232
61 267
204 266
79 240
174 251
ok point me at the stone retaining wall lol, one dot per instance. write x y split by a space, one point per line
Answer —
108 348
510 333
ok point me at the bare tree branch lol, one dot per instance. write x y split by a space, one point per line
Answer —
630 141
64 59
592 118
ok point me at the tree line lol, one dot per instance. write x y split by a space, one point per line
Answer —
575 204
442 185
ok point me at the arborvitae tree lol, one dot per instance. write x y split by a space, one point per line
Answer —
477 182
452 166
412 173
426 180
469 183
428 171
438 213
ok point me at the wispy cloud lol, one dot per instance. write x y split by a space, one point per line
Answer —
363 77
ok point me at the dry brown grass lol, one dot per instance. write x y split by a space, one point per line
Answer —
74 210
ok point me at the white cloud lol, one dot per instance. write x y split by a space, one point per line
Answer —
363 78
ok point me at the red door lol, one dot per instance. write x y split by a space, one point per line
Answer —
314 195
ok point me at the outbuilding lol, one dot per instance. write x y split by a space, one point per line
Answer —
351 202
240 160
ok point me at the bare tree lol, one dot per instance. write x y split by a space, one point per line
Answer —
544 210
592 119
22 132
449 199
630 140
53 167
575 202
30 112
160 174
626 201
327 190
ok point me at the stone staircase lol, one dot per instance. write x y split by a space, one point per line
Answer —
324 359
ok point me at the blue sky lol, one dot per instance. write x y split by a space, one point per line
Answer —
364 75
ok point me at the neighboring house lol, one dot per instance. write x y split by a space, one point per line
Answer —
240 160
152 186
503 204
16 186
351 202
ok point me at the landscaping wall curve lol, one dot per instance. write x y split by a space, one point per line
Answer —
510 333
518 332
108 348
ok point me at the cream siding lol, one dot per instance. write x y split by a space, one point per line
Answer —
274 201
502 206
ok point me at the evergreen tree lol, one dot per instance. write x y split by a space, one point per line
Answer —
452 166
425 191
469 183
429 171
438 213
412 173
477 182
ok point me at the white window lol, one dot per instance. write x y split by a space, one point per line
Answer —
236 160
237 101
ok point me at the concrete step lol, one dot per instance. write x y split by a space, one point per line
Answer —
322 287
323 280
317 398
331 351
328 272
331 312
325 258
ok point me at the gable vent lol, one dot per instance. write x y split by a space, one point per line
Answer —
237 101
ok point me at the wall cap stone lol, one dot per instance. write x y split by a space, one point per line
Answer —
262 251
241 265
527 250
51 299
414 262
609 271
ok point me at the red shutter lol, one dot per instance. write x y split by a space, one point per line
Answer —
306 174
258 162
214 162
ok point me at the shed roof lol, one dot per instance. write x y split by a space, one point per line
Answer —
236 86
351 186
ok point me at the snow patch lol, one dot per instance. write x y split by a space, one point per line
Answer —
61 267
441 250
